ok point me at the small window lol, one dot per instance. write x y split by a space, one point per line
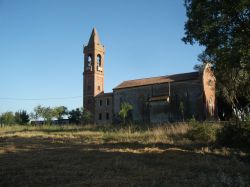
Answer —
99 60
100 102
89 63
100 116
99 88
107 116
89 60
107 102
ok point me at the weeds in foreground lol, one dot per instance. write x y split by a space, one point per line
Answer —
174 134
234 136
202 132
109 155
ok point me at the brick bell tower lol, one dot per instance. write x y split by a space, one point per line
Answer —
93 75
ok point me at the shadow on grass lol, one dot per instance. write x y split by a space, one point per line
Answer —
44 162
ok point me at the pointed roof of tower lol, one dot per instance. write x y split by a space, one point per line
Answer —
94 38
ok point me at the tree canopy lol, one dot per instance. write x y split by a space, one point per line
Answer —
59 112
46 113
21 117
7 118
75 116
223 28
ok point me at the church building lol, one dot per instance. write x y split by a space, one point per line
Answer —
168 98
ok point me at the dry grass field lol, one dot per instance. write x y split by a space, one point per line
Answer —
109 156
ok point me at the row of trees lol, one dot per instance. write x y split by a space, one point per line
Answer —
60 113
20 117
47 114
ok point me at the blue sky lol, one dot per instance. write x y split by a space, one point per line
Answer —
41 44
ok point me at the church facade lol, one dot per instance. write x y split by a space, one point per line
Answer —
154 100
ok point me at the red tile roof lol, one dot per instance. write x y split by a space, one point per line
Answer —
158 80
109 94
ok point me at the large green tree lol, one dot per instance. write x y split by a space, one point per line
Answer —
21 117
59 112
223 28
46 113
75 116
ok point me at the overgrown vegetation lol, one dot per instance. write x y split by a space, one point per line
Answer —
206 133
234 136
229 134
108 155
222 28
202 132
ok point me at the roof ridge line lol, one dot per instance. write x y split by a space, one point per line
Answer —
160 76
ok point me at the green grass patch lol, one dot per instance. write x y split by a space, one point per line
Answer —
203 132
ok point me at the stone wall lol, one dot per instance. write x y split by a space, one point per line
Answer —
145 109
103 109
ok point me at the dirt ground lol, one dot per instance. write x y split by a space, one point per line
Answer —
39 160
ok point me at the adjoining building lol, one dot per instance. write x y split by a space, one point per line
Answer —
167 98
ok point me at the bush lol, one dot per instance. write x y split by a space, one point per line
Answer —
234 136
202 132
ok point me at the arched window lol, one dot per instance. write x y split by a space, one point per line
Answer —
99 60
89 60
88 64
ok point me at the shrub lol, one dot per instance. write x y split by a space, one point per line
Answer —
202 132
86 116
124 111
234 136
